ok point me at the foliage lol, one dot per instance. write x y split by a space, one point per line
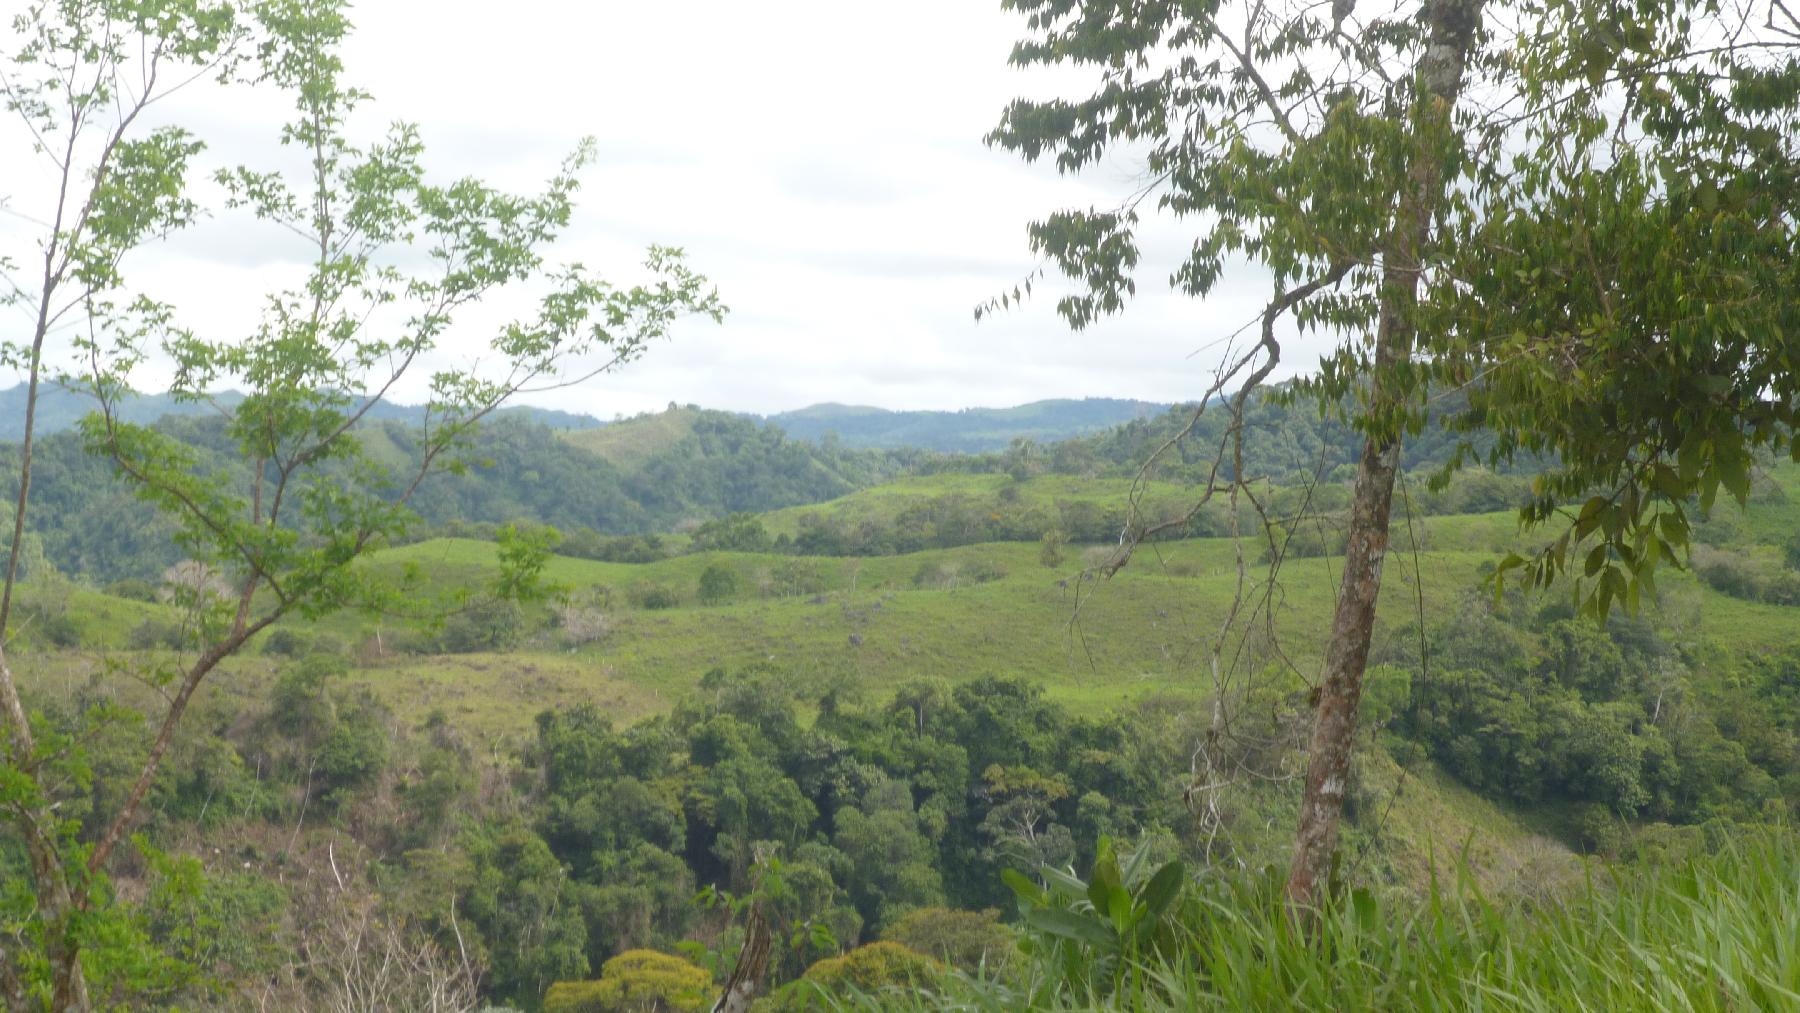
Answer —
636 981
394 259
874 969
718 584
1240 948
1093 931
970 941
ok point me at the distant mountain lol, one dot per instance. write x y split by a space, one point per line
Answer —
60 409
971 430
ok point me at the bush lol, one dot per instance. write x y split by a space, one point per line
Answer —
867 968
286 643
1308 539
582 623
132 589
488 624
966 940
876 965
298 705
651 595
634 981
719 583
931 574
1596 829
45 624
981 571
1727 573
353 754
739 532
154 633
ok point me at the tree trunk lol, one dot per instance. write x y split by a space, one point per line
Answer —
1452 26
752 966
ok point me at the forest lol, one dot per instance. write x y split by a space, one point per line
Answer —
1440 650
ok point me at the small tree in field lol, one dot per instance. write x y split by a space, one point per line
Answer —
393 256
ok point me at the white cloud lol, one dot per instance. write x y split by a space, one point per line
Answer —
821 160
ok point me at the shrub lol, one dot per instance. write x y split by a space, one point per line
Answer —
931 574
864 969
488 624
636 981
981 571
718 583
1596 829
353 753
582 623
47 624
286 643
298 704
966 940
1050 549
1727 573
1307 539
651 595
798 576
874 966
154 633
133 589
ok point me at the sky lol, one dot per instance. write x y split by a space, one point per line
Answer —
821 161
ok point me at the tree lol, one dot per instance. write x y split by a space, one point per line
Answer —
393 257
1599 253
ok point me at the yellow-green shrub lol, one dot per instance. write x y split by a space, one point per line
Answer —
636 981
864 969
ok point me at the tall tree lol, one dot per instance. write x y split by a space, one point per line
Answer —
393 256
1596 246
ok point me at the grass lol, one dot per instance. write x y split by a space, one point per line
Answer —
1094 645
867 624
630 443
881 504
1711 933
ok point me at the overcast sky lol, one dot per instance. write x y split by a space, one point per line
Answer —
820 160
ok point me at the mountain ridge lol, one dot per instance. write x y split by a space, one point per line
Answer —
971 430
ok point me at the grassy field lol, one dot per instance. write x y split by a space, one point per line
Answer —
628 444
867 624
1044 493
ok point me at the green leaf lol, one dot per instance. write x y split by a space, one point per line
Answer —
1069 925
1734 472
1162 890
1023 887
1595 560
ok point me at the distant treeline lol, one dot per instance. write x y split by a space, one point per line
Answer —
726 464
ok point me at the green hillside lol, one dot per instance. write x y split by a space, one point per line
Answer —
630 443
